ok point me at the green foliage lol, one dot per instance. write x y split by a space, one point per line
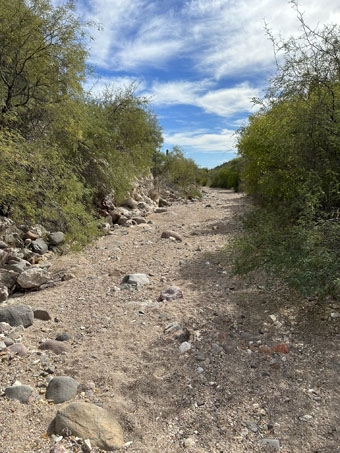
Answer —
119 139
177 171
42 60
38 186
60 149
291 166
228 175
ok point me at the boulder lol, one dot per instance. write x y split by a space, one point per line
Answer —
88 421
171 234
139 220
8 278
56 238
31 235
17 315
17 266
21 393
162 203
130 203
33 278
136 280
61 389
39 246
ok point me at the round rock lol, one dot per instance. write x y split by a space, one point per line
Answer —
61 389
88 421
21 393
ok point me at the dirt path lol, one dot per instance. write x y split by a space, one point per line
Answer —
234 388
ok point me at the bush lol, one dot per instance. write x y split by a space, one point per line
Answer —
228 175
291 166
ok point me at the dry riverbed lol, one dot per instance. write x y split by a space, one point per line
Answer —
260 371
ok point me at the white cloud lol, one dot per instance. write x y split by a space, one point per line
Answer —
203 141
220 37
223 102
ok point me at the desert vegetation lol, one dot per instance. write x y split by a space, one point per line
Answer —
291 166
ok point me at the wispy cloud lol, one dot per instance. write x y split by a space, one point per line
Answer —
220 37
223 102
203 141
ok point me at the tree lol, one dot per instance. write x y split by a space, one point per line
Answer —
42 57
291 165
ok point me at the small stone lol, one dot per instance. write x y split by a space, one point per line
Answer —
137 280
87 447
199 370
61 389
63 337
216 348
282 348
173 327
67 276
21 393
275 443
55 346
189 443
335 315
171 234
3 293
19 349
185 347
8 341
42 314
253 427
306 418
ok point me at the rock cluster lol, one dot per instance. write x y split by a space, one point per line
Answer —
23 256
144 199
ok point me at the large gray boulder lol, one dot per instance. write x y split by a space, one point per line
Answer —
57 238
17 315
33 278
88 421
17 266
39 246
61 389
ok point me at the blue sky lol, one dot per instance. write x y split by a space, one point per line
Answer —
200 62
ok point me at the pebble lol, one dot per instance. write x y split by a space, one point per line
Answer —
19 349
55 346
189 443
306 418
184 347
275 443
63 337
